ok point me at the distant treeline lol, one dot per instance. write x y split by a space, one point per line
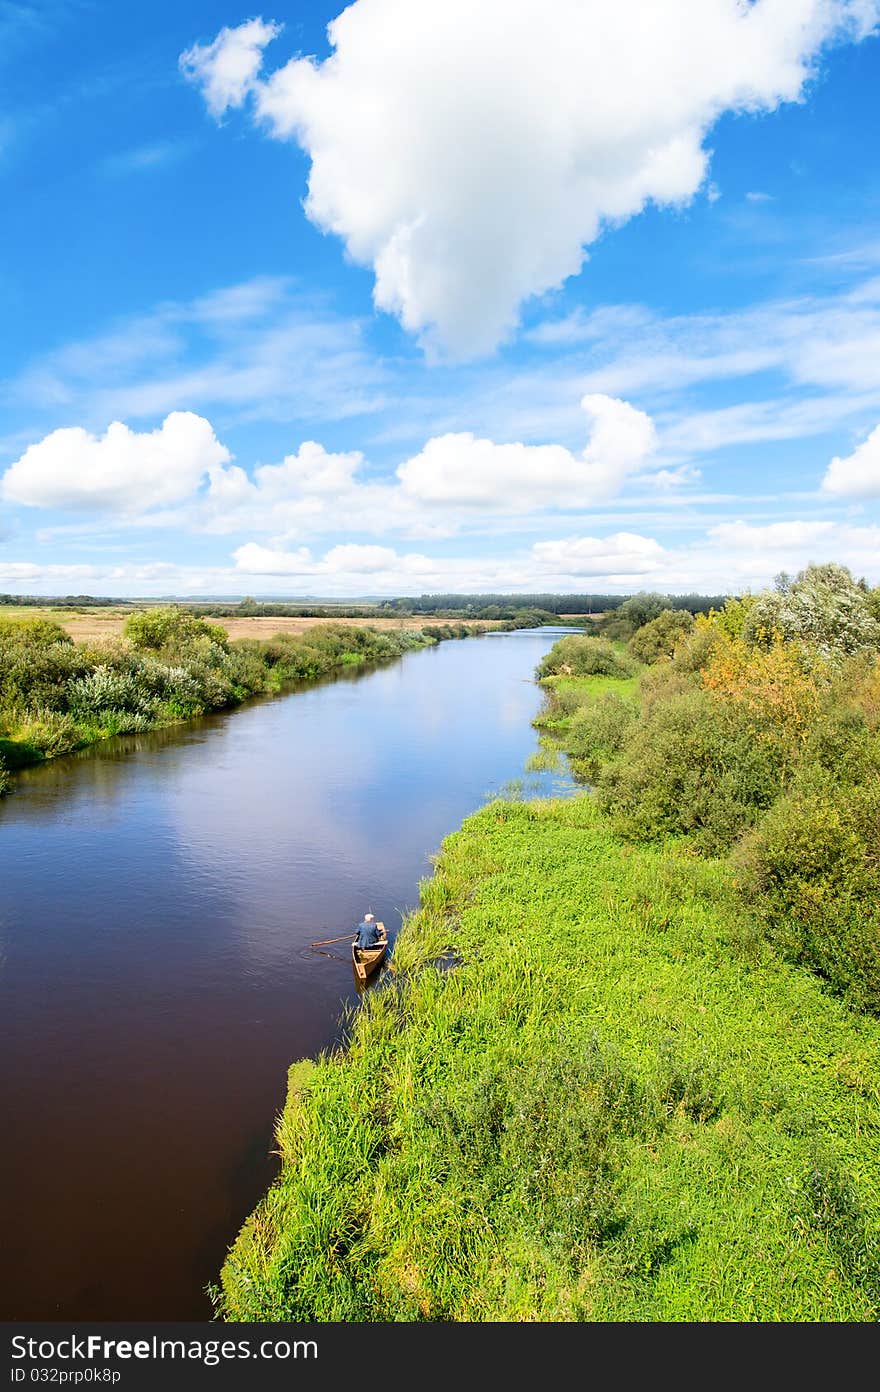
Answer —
521 611
445 606
453 606
259 609
78 601
480 605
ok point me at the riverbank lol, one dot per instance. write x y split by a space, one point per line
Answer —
627 1066
161 666
167 667
590 1092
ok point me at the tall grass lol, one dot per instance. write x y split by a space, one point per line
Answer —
619 1105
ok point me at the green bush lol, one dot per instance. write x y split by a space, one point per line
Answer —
811 871
693 766
659 637
42 734
641 608
166 626
37 662
580 656
105 689
597 731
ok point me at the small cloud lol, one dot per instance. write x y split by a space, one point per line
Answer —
757 196
675 478
226 70
858 475
713 192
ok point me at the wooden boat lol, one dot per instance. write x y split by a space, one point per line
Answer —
367 959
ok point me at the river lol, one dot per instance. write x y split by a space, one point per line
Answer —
158 894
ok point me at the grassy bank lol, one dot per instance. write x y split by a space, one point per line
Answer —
620 1104
627 1066
57 696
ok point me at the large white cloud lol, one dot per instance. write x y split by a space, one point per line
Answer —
121 471
858 474
460 469
455 481
182 474
623 554
469 152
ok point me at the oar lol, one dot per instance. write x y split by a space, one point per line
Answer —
324 941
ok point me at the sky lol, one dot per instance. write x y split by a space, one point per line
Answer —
423 296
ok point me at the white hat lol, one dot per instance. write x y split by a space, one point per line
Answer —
368 918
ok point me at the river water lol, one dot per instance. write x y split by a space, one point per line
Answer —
157 898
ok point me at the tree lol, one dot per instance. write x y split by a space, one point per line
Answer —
154 629
658 638
641 608
823 606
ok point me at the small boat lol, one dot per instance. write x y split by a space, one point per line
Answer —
367 959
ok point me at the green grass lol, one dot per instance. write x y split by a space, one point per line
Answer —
625 687
620 1104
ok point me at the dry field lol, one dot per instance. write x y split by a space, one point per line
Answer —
94 625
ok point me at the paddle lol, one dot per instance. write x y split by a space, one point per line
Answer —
324 941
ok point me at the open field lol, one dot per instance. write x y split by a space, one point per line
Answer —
91 625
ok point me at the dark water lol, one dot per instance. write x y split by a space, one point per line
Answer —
157 897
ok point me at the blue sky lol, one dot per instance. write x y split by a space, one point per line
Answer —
576 295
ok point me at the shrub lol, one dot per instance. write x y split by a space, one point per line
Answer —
781 686
661 682
616 630
811 870
168 625
598 730
5 780
43 734
246 672
105 689
659 637
692 766
580 656
37 661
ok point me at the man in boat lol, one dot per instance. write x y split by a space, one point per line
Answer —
367 933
